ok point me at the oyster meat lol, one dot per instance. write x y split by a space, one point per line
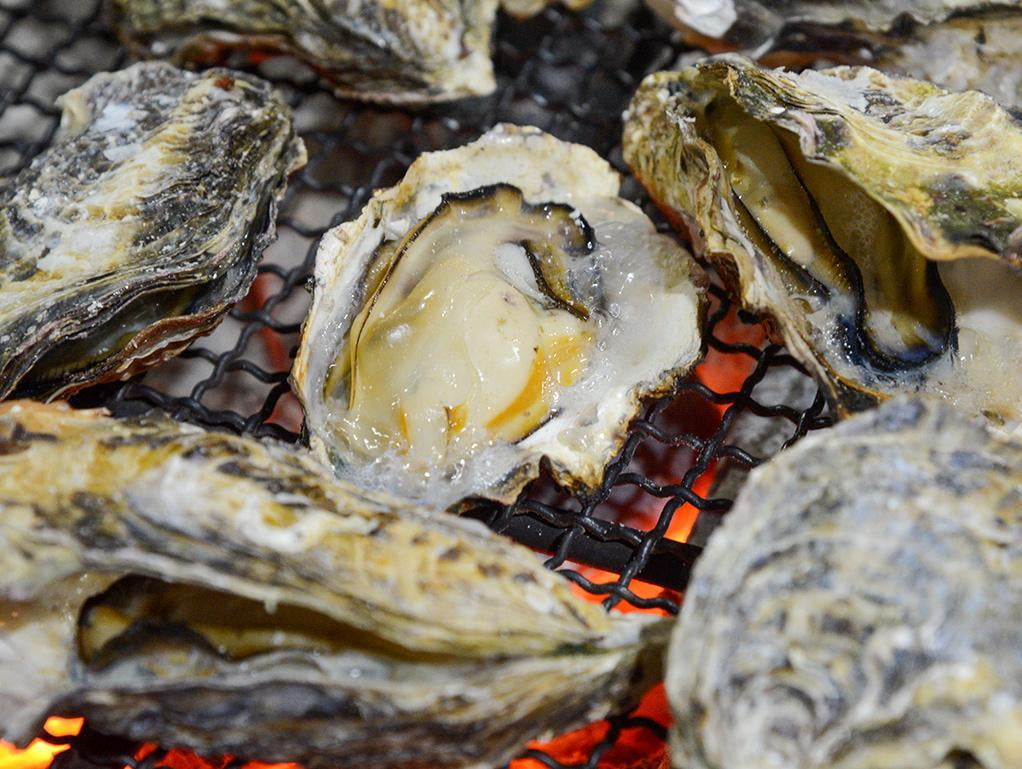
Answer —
876 220
959 45
860 606
141 224
526 8
500 306
225 595
413 51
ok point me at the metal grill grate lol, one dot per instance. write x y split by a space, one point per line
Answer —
570 74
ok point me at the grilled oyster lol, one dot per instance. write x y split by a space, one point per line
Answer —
876 220
408 52
499 306
140 225
860 606
225 595
970 44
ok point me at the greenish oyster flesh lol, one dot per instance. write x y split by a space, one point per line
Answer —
227 595
877 221
860 606
140 226
498 307
413 51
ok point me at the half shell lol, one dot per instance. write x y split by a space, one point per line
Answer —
140 226
876 220
408 52
860 607
225 595
498 307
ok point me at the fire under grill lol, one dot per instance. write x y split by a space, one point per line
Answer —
632 542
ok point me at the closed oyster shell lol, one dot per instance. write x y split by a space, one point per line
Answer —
876 220
225 595
141 224
409 52
499 307
967 45
860 607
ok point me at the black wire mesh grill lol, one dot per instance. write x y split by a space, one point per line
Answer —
570 74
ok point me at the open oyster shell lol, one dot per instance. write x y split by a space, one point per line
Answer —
525 8
408 52
226 595
498 307
963 45
876 220
140 225
860 606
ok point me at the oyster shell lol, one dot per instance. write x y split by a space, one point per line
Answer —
968 45
139 226
876 220
221 594
408 52
500 306
860 606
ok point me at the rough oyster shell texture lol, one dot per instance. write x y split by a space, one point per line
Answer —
226 595
876 220
860 606
140 225
958 44
411 51
500 307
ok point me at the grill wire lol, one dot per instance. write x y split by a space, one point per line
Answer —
570 74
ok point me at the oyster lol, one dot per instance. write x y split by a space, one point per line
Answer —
500 306
408 52
141 224
762 25
876 220
860 606
228 596
970 44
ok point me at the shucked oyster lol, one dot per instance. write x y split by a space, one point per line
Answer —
860 607
410 51
499 306
140 225
876 220
960 44
225 595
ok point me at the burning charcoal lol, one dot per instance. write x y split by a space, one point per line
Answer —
217 593
860 607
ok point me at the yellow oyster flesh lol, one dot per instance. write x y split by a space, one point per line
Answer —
500 306
860 212
510 331
227 595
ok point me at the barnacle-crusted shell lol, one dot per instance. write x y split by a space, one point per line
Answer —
412 51
876 220
499 306
140 225
227 595
860 607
